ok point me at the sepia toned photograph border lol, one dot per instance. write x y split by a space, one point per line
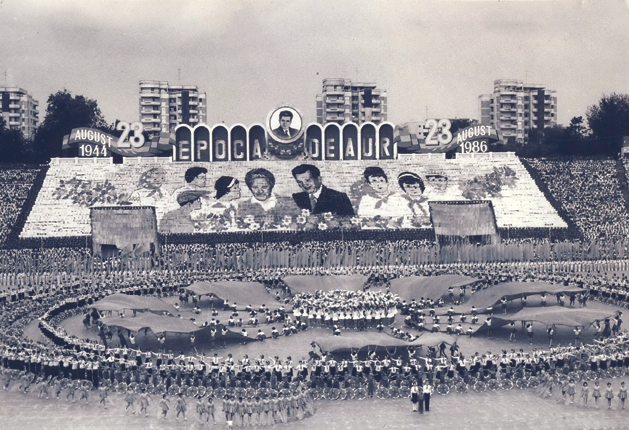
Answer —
472 274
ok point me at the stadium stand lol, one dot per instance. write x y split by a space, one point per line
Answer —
16 184
589 191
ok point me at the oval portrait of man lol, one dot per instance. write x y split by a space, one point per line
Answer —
285 124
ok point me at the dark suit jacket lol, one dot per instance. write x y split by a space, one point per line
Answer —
329 201
278 132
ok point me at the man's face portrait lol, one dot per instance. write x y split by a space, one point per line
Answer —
285 122
379 184
199 181
307 183
414 191
261 189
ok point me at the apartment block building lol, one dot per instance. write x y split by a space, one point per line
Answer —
344 101
516 108
19 110
164 106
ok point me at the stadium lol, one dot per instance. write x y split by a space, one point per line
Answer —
252 280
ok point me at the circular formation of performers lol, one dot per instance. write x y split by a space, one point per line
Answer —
266 390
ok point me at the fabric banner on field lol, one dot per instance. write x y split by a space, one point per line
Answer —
428 287
373 340
237 292
118 302
312 283
556 315
156 323
514 291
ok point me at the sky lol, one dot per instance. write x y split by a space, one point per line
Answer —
434 58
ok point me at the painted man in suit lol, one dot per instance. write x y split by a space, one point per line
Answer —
316 197
285 131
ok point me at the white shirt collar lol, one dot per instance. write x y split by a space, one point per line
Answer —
267 204
318 192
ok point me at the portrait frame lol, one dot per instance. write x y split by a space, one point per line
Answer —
273 123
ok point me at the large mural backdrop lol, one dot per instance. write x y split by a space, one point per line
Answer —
207 197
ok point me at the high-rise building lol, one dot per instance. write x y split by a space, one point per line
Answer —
19 110
164 106
516 108
345 101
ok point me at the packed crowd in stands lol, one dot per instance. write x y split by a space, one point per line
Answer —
15 183
590 192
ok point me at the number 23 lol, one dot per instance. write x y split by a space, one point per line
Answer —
136 140
441 128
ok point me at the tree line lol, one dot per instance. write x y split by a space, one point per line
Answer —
599 133
64 112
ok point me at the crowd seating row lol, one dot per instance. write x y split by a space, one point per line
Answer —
15 184
589 191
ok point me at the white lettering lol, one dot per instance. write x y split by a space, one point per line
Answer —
384 145
239 155
314 148
183 149
257 150
220 150
368 150
330 148
201 146
349 148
